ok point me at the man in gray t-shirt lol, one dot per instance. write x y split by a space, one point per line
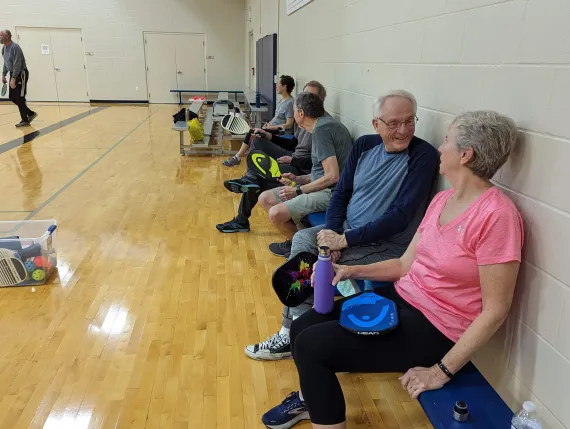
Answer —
332 142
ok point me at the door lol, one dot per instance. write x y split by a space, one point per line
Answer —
69 65
56 61
161 77
174 61
38 51
190 61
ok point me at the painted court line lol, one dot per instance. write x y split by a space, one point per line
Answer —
49 129
89 167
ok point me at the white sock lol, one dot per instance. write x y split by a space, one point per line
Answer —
284 331
301 396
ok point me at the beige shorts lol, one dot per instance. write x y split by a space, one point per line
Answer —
305 204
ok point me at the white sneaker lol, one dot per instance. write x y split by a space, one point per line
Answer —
274 348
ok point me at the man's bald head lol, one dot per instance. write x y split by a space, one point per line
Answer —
5 36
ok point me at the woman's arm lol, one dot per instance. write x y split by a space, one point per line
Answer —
391 270
497 286
286 126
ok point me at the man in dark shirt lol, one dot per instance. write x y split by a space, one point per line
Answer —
376 207
293 155
15 63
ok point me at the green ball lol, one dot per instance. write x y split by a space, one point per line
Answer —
39 275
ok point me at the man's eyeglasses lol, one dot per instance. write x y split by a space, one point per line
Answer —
394 125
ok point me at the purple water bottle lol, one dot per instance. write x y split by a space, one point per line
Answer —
324 275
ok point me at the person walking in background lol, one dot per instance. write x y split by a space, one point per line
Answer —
15 63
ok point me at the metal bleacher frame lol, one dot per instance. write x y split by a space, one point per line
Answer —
210 122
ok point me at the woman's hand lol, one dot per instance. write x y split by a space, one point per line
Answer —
272 127
418 380
262 133
341 272
335 255
285 160
331 239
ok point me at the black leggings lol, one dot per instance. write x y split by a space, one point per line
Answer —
321 348
18 95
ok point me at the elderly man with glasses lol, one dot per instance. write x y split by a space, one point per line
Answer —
376 207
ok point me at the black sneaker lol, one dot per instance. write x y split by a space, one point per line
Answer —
33 116
22 124
276 347
232 226
281 249
241 186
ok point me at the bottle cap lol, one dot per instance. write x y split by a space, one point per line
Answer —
324 251
529 407
460 411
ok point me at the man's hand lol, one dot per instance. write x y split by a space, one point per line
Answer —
287 193
13 83
418 380
272 127
285 159
4 79
287 178
262 133
331 239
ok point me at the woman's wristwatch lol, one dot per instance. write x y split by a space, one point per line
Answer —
447 372
299 191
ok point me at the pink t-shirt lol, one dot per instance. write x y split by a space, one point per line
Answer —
443 281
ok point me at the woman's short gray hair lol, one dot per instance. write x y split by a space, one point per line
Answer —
491 135
379 103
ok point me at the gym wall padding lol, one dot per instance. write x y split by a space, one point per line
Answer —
266 64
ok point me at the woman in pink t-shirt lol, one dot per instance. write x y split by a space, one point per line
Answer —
453 286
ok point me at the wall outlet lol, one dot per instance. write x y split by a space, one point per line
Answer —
137 88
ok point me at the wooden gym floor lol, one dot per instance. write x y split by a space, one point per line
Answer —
144 323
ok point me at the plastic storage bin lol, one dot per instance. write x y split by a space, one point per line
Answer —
27 252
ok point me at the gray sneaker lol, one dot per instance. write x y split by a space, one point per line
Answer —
22 124
33 116
231 162
281 249
276 347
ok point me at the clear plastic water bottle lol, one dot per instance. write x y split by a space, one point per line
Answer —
526 418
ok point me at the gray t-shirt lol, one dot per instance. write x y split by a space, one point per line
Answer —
283 111
330 138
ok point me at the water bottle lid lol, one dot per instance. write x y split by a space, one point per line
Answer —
324 251
529 407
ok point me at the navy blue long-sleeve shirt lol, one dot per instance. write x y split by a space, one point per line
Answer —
381 196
